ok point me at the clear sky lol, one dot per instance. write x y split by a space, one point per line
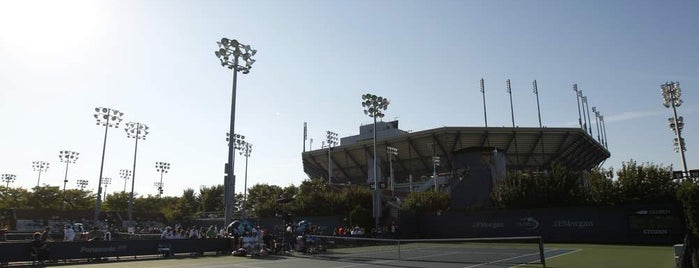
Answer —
154 61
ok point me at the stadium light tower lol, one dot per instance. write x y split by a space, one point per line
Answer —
374 107
245 150
126 175
392 153
106 181
231 52
161 167
672 94
332 142
586 109
604 130
137 131
82 184
436 161
512 112
40 166
7 179
159 186
69 157
578 94
106 117
596 112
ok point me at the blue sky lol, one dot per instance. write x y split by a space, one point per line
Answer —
154 61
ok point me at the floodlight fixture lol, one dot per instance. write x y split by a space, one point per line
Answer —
332 142
245 149
82 184
163 168
106 117
7 179
126 175
68 157
40 166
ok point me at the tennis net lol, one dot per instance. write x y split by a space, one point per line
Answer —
492 250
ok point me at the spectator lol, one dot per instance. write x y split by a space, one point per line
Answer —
95 234
194 233
46 235
107 235
39 248
68 233
211 232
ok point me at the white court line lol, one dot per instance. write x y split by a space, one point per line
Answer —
387 261
558 255
507 259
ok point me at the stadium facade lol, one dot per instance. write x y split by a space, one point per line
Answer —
471 159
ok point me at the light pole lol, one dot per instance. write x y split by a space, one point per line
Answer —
332 141
82 184
106 181
161 167
374 107
126 175
514 132
596 112
604 131
40 166
392 153
137 131
578 94
159 186
245 150
538 110
586 109
230 53
435 162
106 117
672 98
68 157
7 179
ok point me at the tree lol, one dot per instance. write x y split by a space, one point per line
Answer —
556 187
262 200
603 190
688 193
211 199
76 199
646 183
45 197
13 198
429 201
118 201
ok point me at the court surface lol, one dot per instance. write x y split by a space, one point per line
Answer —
437 258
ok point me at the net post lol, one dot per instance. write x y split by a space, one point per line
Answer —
541 251
398 249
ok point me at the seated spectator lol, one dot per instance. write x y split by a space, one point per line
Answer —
46 235
95 234
39 248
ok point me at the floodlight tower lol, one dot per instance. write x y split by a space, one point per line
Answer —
604 131
392 153
159 186
596 112
672 94
230 53
40 166
106 181
245 150
514 132
332 141
161 167
82 184
137 131
69 157
586 109
578 94
126 175
106 117
7 179
374 107
436 161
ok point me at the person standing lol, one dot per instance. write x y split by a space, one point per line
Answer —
68 233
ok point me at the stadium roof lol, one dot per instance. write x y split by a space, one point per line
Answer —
525 148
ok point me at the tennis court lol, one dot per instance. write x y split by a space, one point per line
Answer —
348 252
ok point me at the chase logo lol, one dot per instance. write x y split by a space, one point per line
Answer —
528 223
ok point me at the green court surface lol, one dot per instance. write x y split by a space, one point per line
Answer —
558 256
603 256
